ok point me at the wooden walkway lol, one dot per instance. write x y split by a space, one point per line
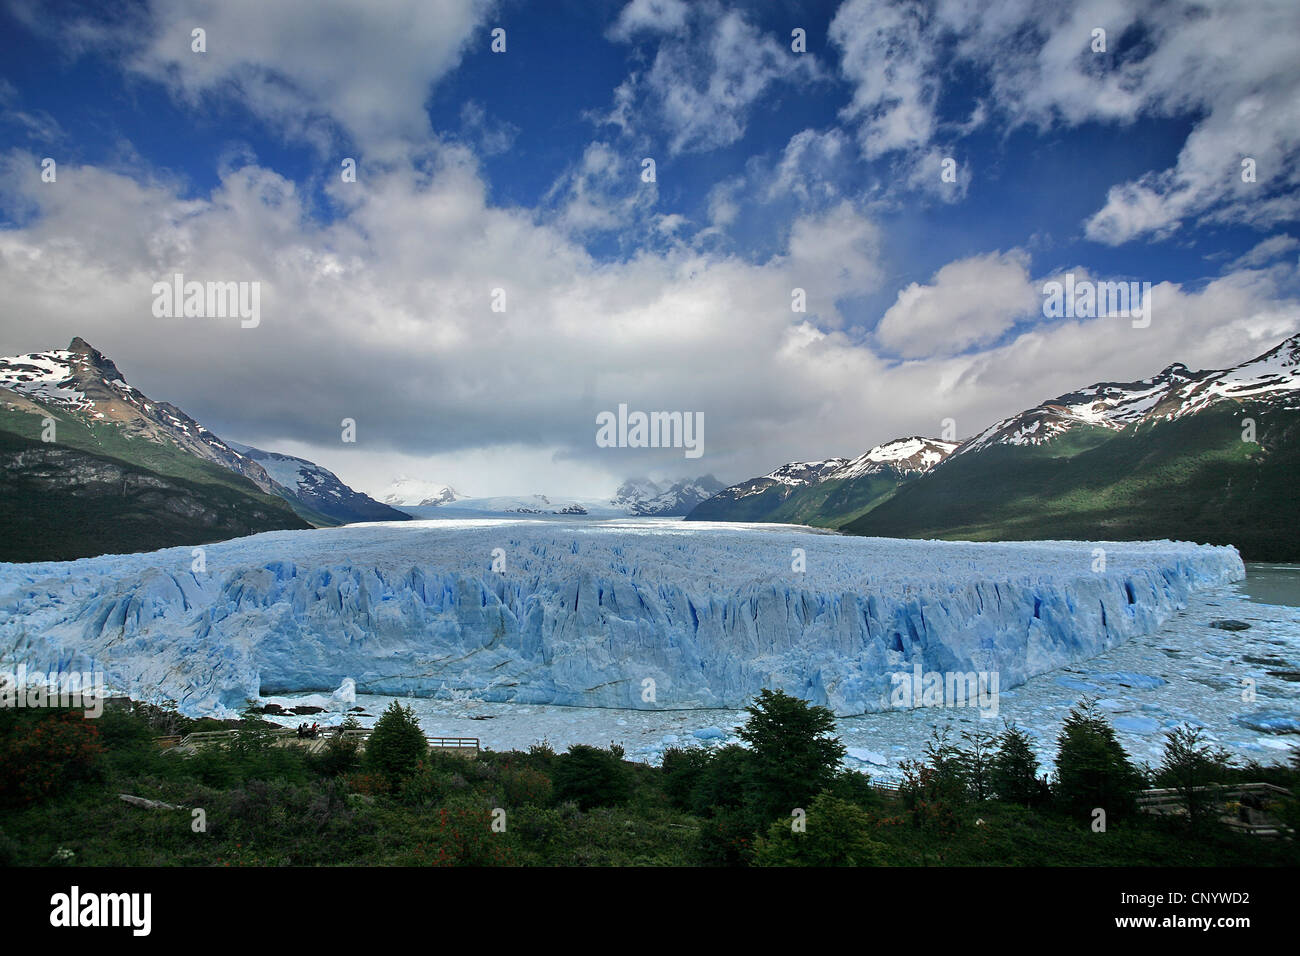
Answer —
1250 819
288 737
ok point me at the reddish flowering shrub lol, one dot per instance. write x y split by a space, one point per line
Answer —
372 784
40 757
464 838
524 786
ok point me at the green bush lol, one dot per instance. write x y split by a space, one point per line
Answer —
835 833
724 782
682 771
590 777
726 839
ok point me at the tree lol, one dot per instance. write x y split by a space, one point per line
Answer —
723 784
396 745
795 754
1193 767
682 771
1013 773
834 833
977 760
1092 769
590 777
932 789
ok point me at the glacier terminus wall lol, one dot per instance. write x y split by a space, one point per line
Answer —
586 612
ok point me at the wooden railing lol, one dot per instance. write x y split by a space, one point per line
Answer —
1171 801
206 737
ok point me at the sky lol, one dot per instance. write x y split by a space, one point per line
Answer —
503 267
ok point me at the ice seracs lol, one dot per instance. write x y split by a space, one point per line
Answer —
586 612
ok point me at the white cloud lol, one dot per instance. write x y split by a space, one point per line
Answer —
649 16
384 316
706 78
1271 249
268 54
970 302
1230 65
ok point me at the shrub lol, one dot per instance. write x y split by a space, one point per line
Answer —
340 755
590 777
725 839
45 755
524 786
682 771
464 837
835 834
1192 767
723 782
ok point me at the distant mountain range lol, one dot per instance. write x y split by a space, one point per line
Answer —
1208 456
89 464
413 491
640 497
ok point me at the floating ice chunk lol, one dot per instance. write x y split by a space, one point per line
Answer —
863 755
1137 725
345 696
1271 721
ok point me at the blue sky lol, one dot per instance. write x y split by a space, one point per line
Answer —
521 170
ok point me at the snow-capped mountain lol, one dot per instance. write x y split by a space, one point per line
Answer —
84 383
796 474
1169 456
835 487
319 488
418 492
902 456
641 496
1272 378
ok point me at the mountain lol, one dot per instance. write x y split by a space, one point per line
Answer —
643 497
319 489
636 496
1172 394
90 465
1164 457
80 381
414 491
826 492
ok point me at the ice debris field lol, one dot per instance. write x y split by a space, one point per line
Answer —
650 615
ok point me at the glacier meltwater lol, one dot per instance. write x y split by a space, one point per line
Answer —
586 612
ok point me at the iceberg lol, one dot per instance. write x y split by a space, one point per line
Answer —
643 614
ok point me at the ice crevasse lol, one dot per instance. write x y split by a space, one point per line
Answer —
606 614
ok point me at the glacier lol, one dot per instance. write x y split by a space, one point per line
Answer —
649 614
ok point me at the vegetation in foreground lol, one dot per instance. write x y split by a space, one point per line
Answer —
782 800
